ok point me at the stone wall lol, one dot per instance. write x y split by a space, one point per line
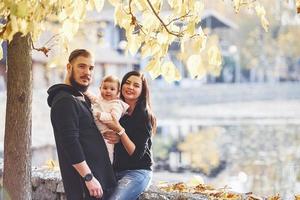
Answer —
47 185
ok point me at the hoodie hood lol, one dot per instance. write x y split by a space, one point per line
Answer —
53 90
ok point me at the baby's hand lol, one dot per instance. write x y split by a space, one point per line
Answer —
114 114
98 116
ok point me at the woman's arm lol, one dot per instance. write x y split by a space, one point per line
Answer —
126 141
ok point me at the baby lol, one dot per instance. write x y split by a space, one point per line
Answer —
107 105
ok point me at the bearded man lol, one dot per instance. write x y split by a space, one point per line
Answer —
83 158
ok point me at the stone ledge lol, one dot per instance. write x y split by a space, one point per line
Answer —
47 185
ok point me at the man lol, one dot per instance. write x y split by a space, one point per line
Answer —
83 158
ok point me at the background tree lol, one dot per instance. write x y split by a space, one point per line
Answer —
146 30
202 150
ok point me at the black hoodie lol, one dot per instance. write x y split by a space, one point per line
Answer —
78 139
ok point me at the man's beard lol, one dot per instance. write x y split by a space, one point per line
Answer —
76 85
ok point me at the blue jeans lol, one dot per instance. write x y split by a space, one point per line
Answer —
131 183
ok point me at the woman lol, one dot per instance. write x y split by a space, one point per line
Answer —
133 156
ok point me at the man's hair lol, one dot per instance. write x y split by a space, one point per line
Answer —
79 52
111 79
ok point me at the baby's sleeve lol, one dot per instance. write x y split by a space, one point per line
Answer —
98 108
119 109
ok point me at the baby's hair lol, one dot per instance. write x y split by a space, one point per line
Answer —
112 79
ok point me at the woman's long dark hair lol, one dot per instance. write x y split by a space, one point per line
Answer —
144 98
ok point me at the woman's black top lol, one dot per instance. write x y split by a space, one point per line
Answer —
138 128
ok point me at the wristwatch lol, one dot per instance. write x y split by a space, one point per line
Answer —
88 177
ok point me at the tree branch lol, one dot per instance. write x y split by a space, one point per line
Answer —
179 18
162 22
134 20
45 50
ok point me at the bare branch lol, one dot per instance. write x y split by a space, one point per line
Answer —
134 19
162 22
54 36
179 18
45 50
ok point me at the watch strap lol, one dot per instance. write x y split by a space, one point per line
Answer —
88 177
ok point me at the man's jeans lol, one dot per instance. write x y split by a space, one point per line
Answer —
131 183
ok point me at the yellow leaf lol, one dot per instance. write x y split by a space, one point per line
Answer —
196 67
14 23
114 2
76 9
275 197
80 10
191 27
214 56
35 29
9 32
152 64
134 43
214 70
195 180
174 3
163 50
121 17
69 28
183 43
146 51
199 43
236 5
260 10
170 72
199 8
22 9
96 4
157 5
149 48
154 68
265 23
23 26
150 22
51 165
62 15
141 5
174 28
162 37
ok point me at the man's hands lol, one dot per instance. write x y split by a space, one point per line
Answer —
94 188
93 184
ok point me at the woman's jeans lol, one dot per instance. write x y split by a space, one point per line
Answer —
131 183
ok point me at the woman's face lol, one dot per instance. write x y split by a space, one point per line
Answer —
132 88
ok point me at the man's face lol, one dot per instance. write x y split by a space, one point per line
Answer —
81 69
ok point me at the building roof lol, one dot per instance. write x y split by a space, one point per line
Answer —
213 19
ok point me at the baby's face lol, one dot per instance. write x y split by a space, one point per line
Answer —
109 90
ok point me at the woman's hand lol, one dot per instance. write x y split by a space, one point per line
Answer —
111 137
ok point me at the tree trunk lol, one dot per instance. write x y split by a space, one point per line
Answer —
17 140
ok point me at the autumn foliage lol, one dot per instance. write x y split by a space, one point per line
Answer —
150 26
